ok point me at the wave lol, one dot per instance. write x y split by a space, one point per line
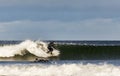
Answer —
60 70
89 43
37 48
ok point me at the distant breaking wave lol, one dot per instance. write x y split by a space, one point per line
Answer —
71 69
37 48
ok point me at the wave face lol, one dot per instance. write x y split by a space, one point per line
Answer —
37 48
78 52
60 70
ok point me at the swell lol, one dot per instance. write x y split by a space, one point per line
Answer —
78 52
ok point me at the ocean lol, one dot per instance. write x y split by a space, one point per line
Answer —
69 58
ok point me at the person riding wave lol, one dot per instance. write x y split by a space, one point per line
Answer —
51 47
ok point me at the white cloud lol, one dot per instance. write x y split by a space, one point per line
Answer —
92 29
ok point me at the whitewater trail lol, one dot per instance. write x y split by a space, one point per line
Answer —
60 70
36 48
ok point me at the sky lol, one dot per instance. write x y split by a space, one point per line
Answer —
60 19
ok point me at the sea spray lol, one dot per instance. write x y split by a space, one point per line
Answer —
72 69
36 48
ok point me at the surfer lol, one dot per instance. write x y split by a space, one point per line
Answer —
50 47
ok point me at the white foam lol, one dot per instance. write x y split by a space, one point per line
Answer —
37 48
60 70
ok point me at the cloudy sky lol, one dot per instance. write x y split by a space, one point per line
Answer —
60 19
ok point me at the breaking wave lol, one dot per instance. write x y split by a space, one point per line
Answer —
60 70
37 48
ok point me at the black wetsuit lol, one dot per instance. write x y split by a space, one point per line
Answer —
50 47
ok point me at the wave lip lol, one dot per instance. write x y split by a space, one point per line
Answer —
38 49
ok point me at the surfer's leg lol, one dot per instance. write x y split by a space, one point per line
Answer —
50 50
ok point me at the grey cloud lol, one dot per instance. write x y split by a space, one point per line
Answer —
87 29
68 4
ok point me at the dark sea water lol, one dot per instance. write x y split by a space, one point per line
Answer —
76 58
